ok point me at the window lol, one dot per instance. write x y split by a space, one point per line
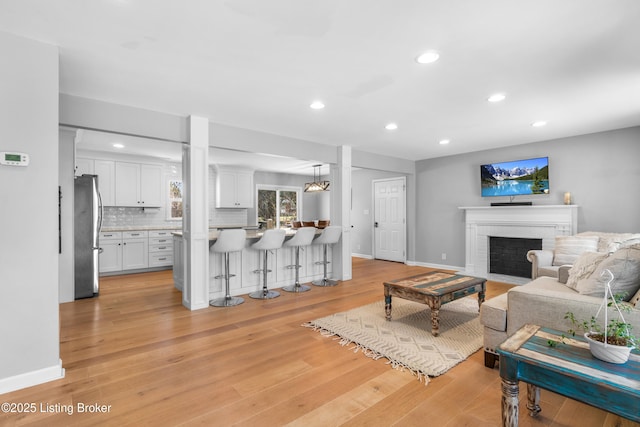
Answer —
175 199
278 204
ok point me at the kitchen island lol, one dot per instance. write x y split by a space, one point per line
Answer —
243 264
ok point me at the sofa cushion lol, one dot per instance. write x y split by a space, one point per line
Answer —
569 248
493 313
584 266
624 264
611 242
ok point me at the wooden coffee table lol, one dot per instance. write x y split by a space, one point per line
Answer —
434 289
566 368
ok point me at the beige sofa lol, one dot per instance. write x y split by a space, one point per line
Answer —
545 300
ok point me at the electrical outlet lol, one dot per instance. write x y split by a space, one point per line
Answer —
358 247
444 256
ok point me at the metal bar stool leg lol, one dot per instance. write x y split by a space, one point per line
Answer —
297 287
228 300
265 293
325 281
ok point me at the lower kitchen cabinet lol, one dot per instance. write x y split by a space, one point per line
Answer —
110 252
160 248
123 251
135 250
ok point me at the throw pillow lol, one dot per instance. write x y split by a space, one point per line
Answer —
569 248
584 266
624 264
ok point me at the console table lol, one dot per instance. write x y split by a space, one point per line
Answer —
567 368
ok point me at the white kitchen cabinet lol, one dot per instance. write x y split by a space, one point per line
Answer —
135 250
106 171
160 248
83 166
234 188
110 258
138 185
178 263
151 185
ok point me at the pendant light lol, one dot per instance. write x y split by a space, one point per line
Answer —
316 185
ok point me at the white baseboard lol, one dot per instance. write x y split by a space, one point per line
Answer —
430 265
365 256
32 378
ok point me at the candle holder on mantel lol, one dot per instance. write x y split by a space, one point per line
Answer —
567 198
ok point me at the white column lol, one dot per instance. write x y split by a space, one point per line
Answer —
341 213
195 221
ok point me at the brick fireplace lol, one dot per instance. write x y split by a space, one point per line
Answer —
540 222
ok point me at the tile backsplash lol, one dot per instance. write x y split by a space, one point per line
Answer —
130 217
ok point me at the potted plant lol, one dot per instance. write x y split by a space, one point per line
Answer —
613 341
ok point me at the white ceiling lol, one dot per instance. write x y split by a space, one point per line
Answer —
258 64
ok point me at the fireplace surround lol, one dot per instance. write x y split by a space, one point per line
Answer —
543 222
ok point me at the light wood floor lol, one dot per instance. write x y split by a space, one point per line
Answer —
138 350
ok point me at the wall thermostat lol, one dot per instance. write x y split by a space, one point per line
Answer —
14 159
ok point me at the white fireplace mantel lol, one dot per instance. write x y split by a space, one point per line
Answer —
530 222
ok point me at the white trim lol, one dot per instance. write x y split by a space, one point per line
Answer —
365 256
32 378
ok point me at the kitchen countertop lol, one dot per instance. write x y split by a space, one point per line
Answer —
139 228
251 234
162 227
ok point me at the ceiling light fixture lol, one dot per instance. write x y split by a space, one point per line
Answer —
317 105
444 141
118 145
316 185
539 124
391 126
497 97
428 57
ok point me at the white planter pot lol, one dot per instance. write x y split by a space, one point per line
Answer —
608 352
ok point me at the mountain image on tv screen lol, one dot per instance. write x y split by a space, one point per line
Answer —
520 177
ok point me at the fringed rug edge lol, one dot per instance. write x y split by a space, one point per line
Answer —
372 354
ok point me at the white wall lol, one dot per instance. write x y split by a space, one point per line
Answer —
66 183
601 171
29 319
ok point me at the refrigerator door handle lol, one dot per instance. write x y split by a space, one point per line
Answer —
101 211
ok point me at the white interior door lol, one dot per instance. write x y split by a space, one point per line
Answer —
389 230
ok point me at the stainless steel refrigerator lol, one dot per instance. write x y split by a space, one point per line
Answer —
87 222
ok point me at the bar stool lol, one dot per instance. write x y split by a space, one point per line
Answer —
270 240
232 240
329 236
304 236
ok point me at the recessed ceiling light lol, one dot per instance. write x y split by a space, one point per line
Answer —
391 126
428 57
317 105
539 124
497 97
118 145
444 141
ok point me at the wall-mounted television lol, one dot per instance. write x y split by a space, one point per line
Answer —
516 178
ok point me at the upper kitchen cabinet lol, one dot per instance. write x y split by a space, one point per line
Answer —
105 169
138 185
84 166
234 188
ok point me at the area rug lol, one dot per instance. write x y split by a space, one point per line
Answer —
406 340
